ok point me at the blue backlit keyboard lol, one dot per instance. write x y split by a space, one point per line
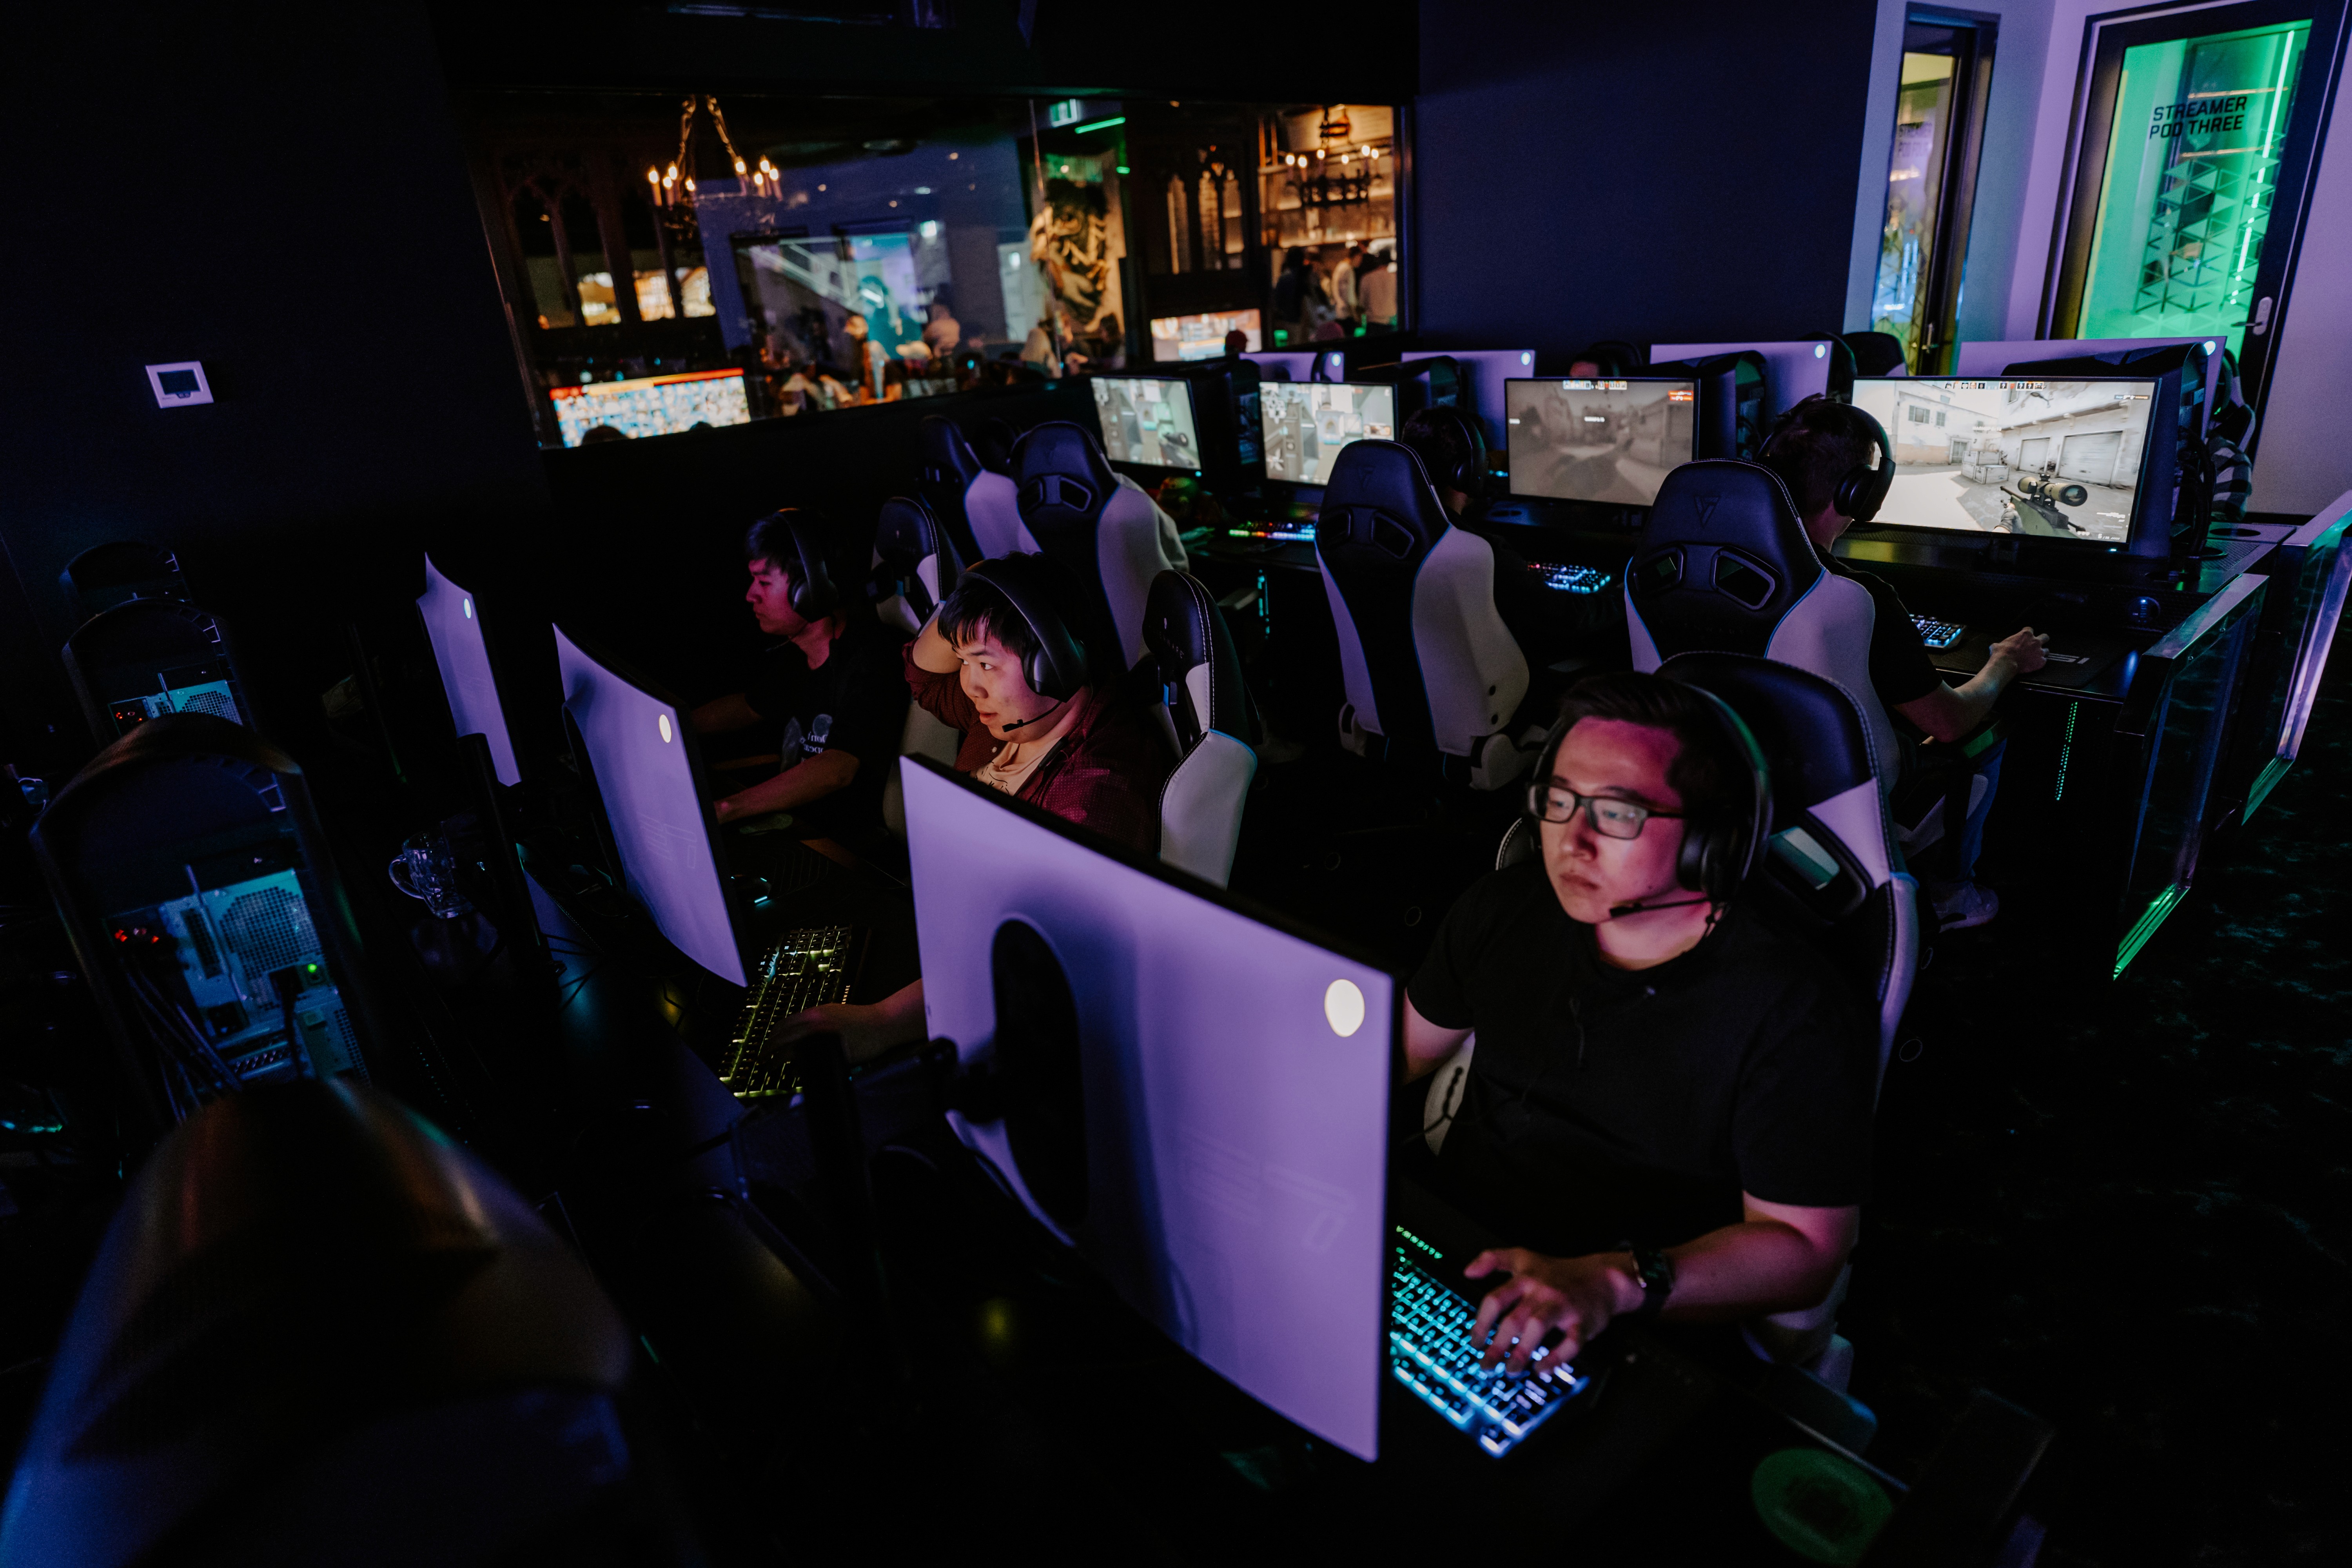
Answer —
1572 579
1937 635
1430 1353
1276 533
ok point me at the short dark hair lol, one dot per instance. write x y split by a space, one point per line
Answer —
1437 440
1815 444
1709 772
978 607
770 540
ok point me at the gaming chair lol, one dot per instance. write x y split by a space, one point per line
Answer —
1098 522
1427 663
1210 723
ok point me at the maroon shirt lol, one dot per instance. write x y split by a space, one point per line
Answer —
1104 775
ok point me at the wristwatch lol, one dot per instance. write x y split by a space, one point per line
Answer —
1656 1272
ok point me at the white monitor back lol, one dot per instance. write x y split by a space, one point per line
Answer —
1299 364
1236 1136
1488 369
453 623
645 775
1792 371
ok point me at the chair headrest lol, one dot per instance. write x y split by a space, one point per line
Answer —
1379 508
1724 539
1198 664
1063 477
948 457
905 535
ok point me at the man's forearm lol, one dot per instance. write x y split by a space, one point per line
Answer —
1984 688
795 786
1755 1265
933 652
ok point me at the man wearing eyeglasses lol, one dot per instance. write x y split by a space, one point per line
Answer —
1668 1105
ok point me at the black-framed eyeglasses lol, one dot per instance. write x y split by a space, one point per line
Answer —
1611 817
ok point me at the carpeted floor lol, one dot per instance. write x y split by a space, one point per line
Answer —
2127 1211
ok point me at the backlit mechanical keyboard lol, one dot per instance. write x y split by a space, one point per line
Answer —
1430 1353
805 969
1571 579
1936 633
1277 533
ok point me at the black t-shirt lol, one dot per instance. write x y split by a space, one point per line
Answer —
1607 1105
1900 670
856 701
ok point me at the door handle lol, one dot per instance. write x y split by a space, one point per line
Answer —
2261 322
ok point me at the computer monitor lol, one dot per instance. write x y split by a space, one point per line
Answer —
1202 336
1792 371
1323 364
2053 459
1304 423
651 405
1994 359
1484 372
1147 422
1732 401
453 624
1609 440
1221 1155
634 744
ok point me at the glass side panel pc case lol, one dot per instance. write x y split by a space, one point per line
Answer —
1304 423
650 405
1611 442
2049 459
1148 421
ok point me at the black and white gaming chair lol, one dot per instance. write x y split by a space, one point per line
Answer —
915 569
974 503
1427 664
1210 723
1725 567
1098 522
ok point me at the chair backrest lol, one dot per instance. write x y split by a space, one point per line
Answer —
1211 721
1831 869
1725 567
106 575
974 502
916 563
146 657
1425 659
1080 512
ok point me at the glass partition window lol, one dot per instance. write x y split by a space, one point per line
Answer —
2201 126
675 264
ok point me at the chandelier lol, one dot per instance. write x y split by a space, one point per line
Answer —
674 186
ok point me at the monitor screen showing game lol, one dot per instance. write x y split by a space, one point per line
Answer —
1148 422
1610 441
1204 336
2059 460
650 405
1306 424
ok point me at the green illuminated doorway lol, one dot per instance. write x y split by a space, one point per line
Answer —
2193 158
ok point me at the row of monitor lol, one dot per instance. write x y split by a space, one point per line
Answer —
2046 458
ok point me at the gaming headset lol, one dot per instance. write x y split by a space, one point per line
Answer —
1717 852
813 596
1468 474
1057 668
1860 490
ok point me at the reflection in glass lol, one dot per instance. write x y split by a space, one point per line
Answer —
1923 123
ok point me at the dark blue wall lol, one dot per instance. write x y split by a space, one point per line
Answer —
1657 172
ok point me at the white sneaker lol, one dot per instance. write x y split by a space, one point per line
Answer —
1967 905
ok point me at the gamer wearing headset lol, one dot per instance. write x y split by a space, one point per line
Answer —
1669 1105
830 689
1042 719
1837 465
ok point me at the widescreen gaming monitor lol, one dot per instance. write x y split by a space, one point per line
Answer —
1794 371
1221 1155
1304 423
1485 371
1148 421
652 405
2054 459
453 623
1610 441
1995 358
635 744
1202 336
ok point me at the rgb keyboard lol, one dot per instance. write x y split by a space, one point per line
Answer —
803 969
1936 633
1430 1352
1285 534
1572 579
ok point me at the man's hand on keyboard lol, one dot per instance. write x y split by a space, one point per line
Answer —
865 1029
2025 652
1578 1295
